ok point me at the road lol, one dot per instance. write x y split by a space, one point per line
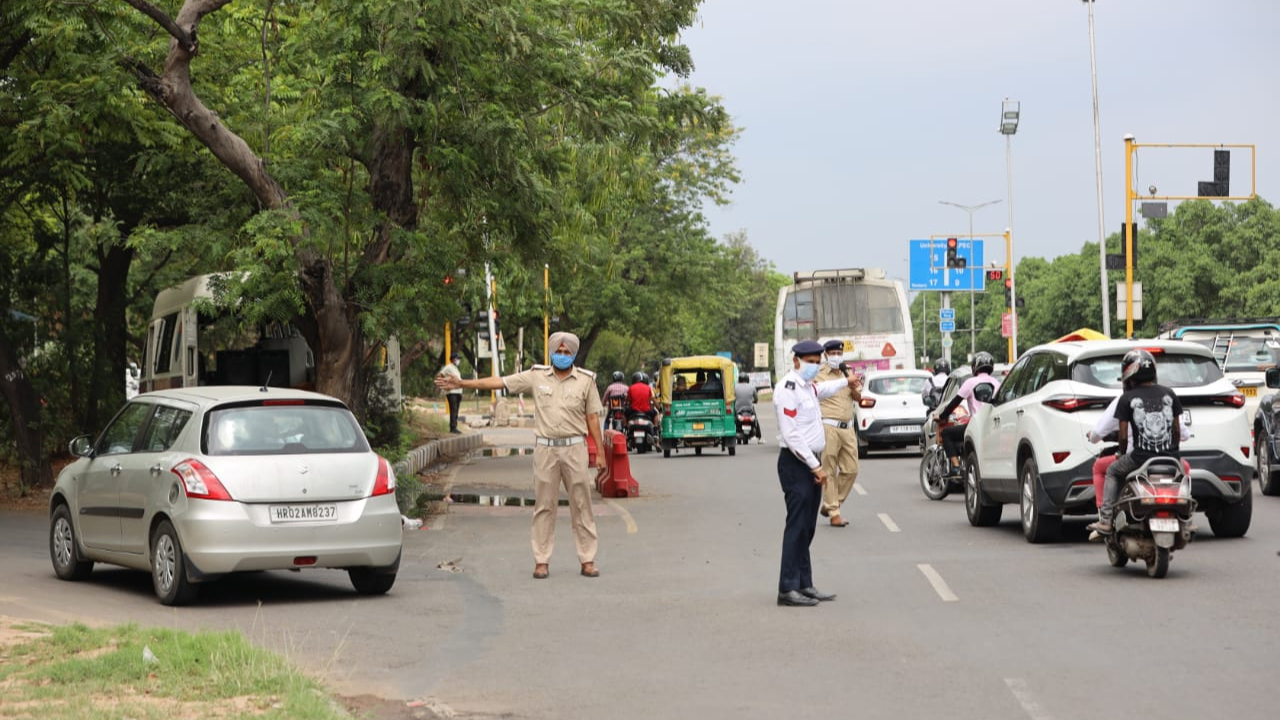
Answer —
935 618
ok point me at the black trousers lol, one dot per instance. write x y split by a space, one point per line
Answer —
803 497
455 401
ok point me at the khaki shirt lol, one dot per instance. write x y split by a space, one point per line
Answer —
562 406
838 406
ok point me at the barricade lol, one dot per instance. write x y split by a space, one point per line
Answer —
615 480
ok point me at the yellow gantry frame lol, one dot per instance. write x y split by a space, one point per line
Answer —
1131 196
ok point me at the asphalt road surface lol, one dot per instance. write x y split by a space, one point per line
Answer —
934 618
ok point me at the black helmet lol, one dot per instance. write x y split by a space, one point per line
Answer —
637 377
942 367
1138 366
983 363
618 376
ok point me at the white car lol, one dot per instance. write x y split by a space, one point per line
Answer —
892 409
1029 447
195 483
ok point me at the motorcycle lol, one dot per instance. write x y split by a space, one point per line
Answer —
642 434
1152 516
616 414
748 426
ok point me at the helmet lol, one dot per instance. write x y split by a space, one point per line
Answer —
618 376
1138 366
942 367
983 363
637 377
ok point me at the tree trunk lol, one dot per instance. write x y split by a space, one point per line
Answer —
110 336
24 410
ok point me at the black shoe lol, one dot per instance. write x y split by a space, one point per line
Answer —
795 599
816 594
455 432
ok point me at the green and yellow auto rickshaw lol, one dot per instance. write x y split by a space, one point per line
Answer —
696 394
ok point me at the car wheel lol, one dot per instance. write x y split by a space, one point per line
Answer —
64 549
1037 525
981 512
1158 565
168 567
374 581
1267 480
1233 520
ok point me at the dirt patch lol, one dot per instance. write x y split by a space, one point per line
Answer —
369 707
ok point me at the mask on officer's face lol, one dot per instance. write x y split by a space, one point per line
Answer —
562 362
835 360
808 370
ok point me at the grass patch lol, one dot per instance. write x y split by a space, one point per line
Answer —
74 671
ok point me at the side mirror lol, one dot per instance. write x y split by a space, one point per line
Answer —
1273 378
931 401
982 392
81 446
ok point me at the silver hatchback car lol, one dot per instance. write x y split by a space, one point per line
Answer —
195 483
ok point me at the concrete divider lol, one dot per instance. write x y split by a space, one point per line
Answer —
423 456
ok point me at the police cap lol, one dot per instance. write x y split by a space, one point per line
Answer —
833 345
807 347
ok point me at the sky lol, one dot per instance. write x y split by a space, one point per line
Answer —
858 117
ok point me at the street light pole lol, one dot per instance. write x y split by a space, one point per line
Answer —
1097 163
969 209
1010 114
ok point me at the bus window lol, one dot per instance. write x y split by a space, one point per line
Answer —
165 348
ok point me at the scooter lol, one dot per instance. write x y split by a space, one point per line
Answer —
748 426
642 434
1152 516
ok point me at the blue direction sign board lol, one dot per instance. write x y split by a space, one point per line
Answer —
947 325
947 314
929 271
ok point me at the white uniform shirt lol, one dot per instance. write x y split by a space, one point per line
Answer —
799 419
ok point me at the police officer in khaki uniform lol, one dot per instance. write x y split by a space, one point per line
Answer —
567 408
840 457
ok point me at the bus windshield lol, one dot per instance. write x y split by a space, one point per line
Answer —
841 309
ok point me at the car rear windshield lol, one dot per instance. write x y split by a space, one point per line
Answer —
1173 370
905 385
283 430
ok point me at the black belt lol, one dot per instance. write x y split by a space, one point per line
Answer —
835 423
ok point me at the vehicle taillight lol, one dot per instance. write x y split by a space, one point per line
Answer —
1073 404
1230 400
1058 457
199 482
284 402
385 483
1244 449
728 407
867 402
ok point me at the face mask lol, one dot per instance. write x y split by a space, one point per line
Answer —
809 371
835 360
562 362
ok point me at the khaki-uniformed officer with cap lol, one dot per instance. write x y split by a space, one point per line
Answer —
840 458
800 473
567 408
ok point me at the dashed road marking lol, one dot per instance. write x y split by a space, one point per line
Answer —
1026 699
889 523
632 529
859 489
939 585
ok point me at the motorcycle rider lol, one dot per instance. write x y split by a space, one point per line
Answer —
745 397
941 371
1152 414
640 396
952 437
616 389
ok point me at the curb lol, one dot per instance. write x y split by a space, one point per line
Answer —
422 457
506 451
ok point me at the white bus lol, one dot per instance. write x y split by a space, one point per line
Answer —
859 306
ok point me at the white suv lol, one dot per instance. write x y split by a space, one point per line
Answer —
1028 446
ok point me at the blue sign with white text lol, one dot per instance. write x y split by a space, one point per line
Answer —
947 314
947 325
929 271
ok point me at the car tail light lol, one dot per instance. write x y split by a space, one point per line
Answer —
305 560
199 482
1059 456
867 402
1244 450
1234 399
385 483
728 408
1230 479
1070 404
284 402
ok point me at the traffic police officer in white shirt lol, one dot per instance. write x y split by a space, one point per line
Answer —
795 400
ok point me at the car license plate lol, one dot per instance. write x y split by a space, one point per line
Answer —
904 428
1163 524
1249 391
304 513
699 426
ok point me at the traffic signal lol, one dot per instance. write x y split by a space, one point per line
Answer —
995 275
953 258
1124 248
1008 292
1221 185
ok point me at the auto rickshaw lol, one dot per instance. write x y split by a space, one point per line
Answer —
696 394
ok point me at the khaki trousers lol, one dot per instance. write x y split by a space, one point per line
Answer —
840 462
553 467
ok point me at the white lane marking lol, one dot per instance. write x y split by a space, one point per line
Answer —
888 522
858 489
632 529
1026 699
939 585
